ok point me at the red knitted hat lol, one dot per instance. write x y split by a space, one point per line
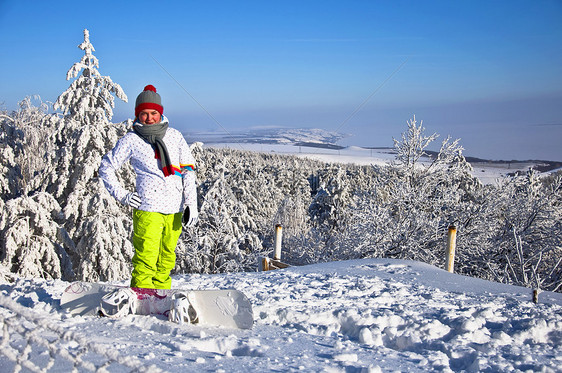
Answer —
148 99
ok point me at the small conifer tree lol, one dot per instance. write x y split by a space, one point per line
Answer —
89 99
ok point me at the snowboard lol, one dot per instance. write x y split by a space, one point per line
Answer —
229 308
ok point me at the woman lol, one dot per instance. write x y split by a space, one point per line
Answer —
165 187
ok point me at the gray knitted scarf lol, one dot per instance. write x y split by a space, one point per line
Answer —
154 135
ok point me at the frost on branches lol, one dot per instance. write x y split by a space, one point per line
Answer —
89 99
527 223
33 243
32 240
405 212
23 134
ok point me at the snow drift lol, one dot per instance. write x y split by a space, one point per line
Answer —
363 315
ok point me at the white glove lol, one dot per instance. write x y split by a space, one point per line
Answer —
133 200
190 216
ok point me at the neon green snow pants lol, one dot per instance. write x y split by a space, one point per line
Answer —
155 238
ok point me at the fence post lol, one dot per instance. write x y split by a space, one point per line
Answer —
451 246
267 264
535 296
263 264
278 239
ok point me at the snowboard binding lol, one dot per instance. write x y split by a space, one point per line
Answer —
118 303
181 310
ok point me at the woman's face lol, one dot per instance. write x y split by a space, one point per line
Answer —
149 116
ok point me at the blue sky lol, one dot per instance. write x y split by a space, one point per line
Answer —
488 72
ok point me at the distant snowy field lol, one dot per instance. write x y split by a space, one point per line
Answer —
486 172
372 315
319 144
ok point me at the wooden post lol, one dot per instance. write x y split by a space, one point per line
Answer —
451 246
267 264
535 296
278 239
264 264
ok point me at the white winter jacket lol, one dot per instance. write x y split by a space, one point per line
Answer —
166 195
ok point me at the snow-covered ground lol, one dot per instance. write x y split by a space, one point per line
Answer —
367 315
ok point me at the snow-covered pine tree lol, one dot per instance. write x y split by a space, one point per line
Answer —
225 238
9 174
330 205
89 99
60 156
27 151
87 105
293 217
32 242
264 182
295 195
97 224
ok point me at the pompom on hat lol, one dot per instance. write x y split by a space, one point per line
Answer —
148 99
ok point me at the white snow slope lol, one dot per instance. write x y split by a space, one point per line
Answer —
368 315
